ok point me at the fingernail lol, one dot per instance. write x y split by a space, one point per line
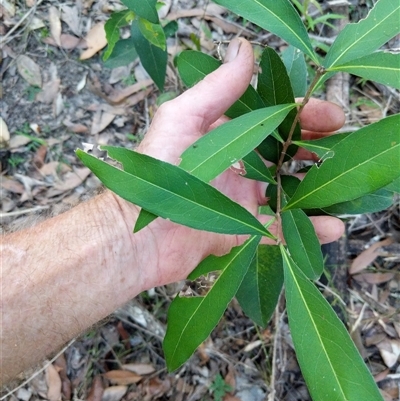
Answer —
233 50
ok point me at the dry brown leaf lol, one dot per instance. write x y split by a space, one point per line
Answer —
35 23
139 368
390 351
73 179
58 105
122 377
70 15
119 95
12 186
135 99
68 42
114 393
30 3
101 120
95 40
373 278
61 365
19 140
365 258
97 390
155 388
229 397
382 375
4 134
54 168
29 70
55 24
77 128
53 381
211 10
49 91
40 154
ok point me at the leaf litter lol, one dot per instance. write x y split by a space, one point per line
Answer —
56 96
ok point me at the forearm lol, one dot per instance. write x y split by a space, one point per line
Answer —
62 276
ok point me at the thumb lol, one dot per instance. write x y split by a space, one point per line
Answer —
210 98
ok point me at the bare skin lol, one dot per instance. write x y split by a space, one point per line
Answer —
64 275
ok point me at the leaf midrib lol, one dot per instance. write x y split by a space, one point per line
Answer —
193 170
183 198
314 325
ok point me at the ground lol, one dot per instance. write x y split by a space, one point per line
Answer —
66 102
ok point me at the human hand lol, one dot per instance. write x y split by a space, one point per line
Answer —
176 250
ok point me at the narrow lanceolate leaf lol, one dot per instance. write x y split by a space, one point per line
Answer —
278 17
382 67
330 363
154 33
363 162
170 192
193 66
143 220
371 203
255 168
259 292
364 37
225 145
275 88
112 28
303 243
144 9
191 319
297 70
153 59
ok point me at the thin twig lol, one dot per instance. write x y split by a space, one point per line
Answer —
320 71
24 211
38 371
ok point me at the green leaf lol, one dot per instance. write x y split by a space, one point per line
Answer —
191 319
154 33
193 66
259 292
143 220
216 151
170 192
278 17
275 88
364 37
363 162
170 29
289 184
297 70
394 186
303 243
255 168
331 365
371 203
323 147
123 53
143 8
153 59
112 27
382 67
